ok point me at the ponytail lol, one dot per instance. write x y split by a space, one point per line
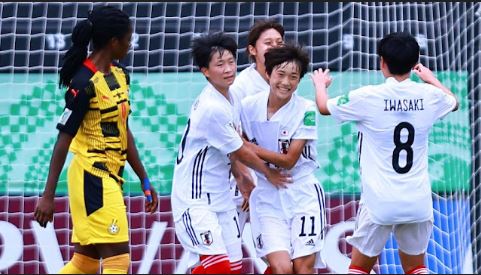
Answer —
103 23
77 53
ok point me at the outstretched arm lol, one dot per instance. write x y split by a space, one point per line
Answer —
45 207
321 80
286 161
249 158
427 76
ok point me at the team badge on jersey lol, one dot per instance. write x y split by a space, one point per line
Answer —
65 116
343 99
310 118
113 227
206 237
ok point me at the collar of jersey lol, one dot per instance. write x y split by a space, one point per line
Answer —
91 66
392 80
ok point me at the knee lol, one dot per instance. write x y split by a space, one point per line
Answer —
281 268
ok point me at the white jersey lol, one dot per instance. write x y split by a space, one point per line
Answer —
202 169
394 120
295 120
249 82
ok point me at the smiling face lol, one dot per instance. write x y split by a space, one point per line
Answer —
222 70
284 80
268 39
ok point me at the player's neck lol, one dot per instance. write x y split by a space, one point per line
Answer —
274 104
222 90
399 77
102 61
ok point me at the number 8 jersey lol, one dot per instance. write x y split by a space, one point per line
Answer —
394 120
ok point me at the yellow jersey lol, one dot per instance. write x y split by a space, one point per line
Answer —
96 114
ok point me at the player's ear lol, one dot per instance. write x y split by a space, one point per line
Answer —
381 62
205 71
252 50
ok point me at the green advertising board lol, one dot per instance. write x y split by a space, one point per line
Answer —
30 105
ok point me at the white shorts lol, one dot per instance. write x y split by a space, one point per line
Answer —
370 238
291 220
203 232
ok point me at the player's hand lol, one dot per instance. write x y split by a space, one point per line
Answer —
279 178
151 199
321 78
424 73
245 184
44 210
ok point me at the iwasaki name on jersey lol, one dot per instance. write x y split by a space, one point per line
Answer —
403 105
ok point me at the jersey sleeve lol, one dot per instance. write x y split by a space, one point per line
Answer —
443 102
222 133
77 101
308 127
348 107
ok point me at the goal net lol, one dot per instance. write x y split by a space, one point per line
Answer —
338 36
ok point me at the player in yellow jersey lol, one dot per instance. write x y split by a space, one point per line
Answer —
94 127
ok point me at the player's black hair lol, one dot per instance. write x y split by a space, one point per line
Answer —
288 53
205 45
257 29
400 51
103 24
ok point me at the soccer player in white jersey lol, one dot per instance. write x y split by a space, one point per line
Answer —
288 223
263 35
203 210
393 119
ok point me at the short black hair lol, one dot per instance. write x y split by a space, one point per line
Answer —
400 51
290 52
257 29
205 45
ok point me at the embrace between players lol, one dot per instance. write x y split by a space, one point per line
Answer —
249 152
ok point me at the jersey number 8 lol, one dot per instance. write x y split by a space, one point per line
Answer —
400 146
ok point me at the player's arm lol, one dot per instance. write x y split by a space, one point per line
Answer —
138 167
321 80
249 158
77 101
243 178
427 76
45 207
286 161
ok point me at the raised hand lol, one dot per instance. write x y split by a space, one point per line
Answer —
321 78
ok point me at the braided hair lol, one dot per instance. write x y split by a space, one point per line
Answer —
102 24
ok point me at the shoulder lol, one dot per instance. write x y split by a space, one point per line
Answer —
81 80
247 71
252 99
120 66
209 102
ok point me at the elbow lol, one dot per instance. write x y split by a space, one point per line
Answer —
323 109
457 106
